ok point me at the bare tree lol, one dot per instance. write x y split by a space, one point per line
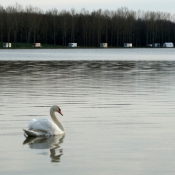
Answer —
84 15
17 9
37 18
29 24
1 23
54 23
73 24
9 25
65 19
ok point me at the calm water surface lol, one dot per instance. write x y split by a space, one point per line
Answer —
119 115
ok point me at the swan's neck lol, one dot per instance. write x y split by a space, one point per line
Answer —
56 121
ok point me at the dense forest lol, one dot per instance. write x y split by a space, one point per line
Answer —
30 24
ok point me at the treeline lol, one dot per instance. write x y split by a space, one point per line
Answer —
29 24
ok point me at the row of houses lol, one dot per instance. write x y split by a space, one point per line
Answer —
129 45
102 45
167 44
7 45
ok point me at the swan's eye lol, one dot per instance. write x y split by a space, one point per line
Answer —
59 111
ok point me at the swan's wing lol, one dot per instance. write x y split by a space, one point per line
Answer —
31 123
43 125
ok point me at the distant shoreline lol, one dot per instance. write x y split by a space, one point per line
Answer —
50 46
41 48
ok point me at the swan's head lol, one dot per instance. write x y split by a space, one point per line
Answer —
56 108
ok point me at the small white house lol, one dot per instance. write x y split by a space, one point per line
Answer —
170 44
149 45
37 45
72 44
6 45
103 44
127 44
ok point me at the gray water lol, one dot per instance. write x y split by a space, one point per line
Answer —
126 54
119 116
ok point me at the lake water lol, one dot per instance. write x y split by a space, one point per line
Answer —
119 112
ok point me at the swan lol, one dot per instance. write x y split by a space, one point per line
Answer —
45 127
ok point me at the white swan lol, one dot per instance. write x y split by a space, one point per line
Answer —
45 127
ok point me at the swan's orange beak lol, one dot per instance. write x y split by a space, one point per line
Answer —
60 112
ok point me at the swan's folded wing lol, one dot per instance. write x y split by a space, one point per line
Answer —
44 125
31 123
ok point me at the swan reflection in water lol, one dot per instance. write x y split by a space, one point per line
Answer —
52 143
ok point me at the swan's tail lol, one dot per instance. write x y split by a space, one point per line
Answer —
30 133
